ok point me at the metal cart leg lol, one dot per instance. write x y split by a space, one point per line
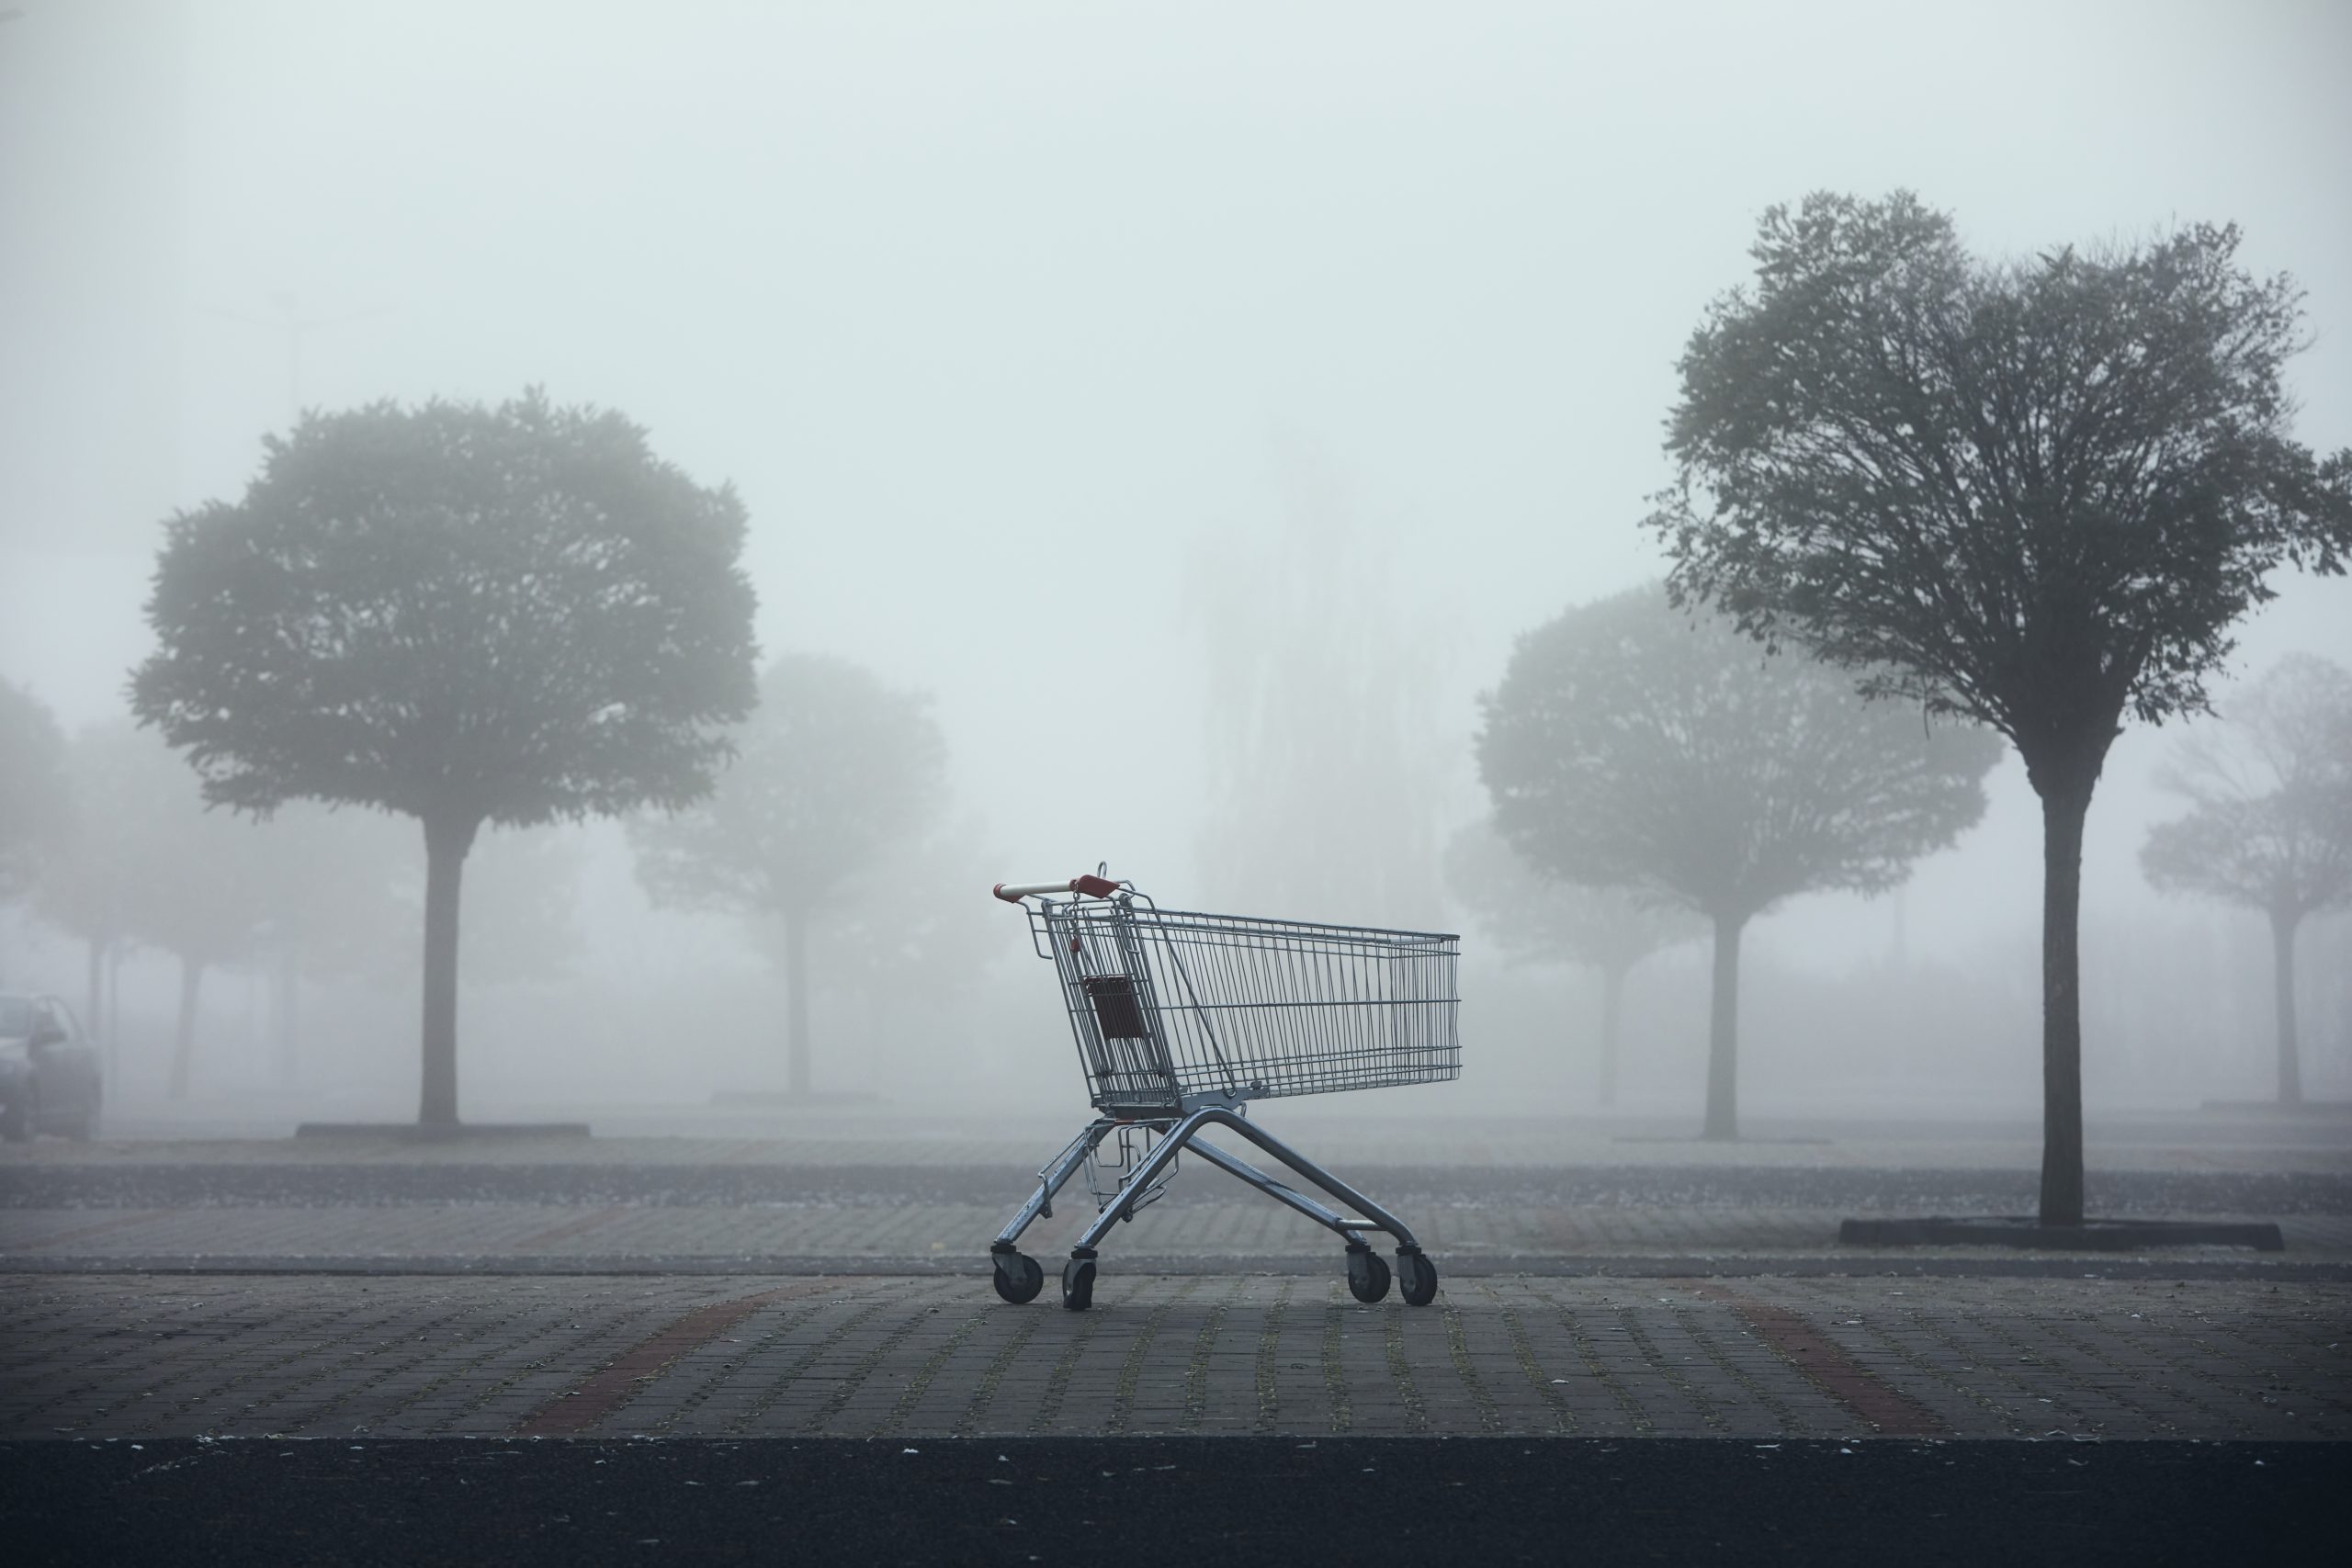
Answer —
1275 1189
1018 1276
1417 1274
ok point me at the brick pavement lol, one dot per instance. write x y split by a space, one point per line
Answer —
1759 1358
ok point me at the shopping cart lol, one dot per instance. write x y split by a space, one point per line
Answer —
1183 1019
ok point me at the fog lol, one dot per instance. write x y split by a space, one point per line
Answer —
1196 404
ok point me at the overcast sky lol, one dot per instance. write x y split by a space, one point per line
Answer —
1012 320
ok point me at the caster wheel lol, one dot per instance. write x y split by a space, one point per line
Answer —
1416 1278
1077 1283
1018 1278
1367 1274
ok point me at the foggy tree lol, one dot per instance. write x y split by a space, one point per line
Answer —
1321 749
328 885
1632 746
901 958
834 771
2270 821
92 875
461 615
183 879
32 786
344 897
1535 919
2037 493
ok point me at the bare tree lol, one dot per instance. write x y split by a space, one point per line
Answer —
2036 494
834 770
1631 746
460 614
1535 919
2270 819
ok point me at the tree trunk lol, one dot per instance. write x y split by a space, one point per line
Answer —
2282 948
183 1042
446 844
2063 813
1612 1006
1723 1032
796 1001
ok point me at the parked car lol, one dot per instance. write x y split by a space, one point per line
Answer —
49 1073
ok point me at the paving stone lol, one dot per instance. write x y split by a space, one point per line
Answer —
143 1356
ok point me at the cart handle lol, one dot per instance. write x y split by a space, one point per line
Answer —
1092 886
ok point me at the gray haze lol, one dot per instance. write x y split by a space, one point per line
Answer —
1132 383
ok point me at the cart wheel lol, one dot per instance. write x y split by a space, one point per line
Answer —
1367 1274
1077 1283
1018 1278
1416 1278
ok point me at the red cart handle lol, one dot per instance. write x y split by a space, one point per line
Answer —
1092 886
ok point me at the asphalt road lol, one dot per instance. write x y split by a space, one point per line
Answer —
1224 1500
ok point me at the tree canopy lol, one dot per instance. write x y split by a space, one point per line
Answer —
2037 493
1630 746
834 769
460 614
2270 826
1535 919
507 615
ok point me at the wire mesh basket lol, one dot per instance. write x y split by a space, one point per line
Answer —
1173 1006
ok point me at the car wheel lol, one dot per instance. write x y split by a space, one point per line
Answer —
16 1120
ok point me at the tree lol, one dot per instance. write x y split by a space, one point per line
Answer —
1319 676
328 882
1630 747
1535 919
89 883
2035 493
905 963
834 769
33 806
200 888
144 862
460 614
2271 820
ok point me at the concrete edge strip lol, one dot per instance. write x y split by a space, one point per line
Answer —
1837 1374
144 1217
596 1220
1976 1265
621 1379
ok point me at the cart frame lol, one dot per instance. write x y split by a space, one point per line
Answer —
1181 1019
